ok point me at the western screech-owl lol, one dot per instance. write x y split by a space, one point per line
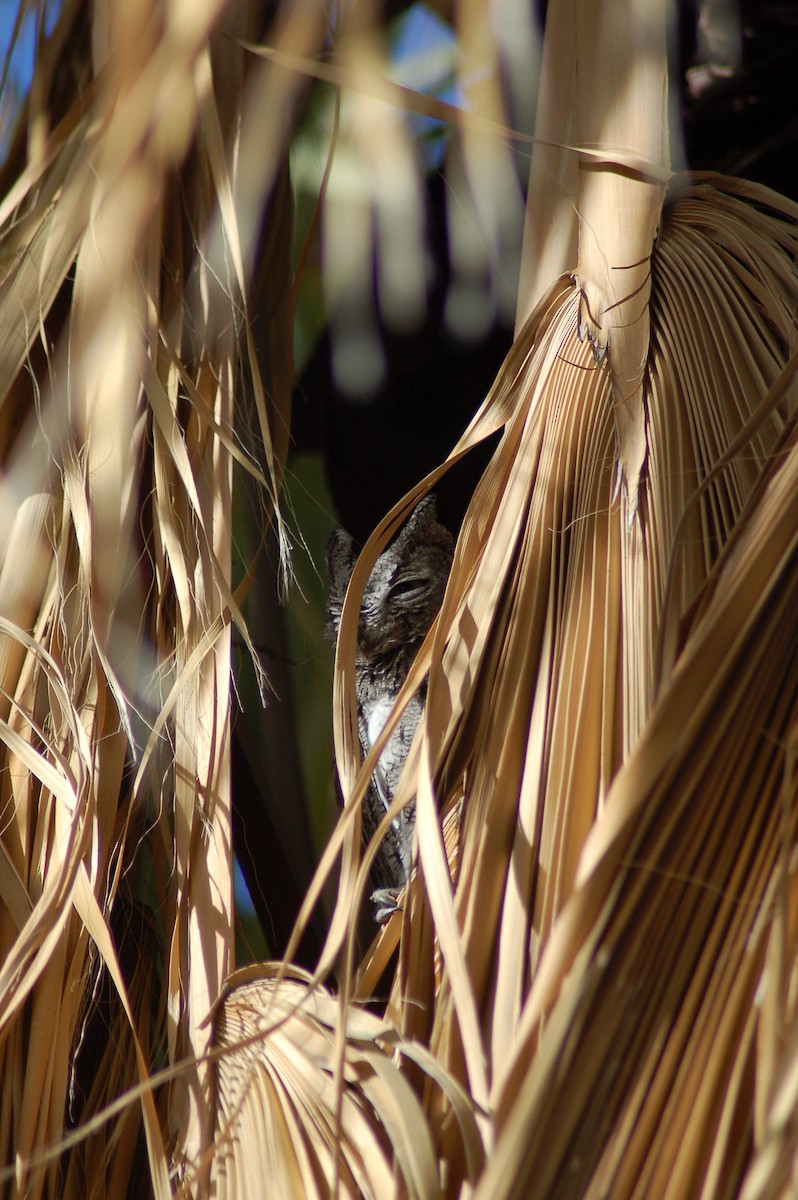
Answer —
402 597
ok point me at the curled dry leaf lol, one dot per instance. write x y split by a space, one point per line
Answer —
283 1116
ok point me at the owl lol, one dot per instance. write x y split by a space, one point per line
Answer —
402 597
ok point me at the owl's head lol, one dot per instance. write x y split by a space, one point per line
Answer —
406 585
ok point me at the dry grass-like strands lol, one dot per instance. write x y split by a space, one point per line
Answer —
126 336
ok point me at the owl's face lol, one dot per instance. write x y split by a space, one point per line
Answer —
402 596
405 588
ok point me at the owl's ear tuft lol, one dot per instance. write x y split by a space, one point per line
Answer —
340 557
339 561
422 523
425 513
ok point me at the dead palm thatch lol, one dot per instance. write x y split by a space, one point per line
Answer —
600 1005
126 336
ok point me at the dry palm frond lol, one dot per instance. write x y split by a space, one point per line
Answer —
771 1171
281 1117
598 221
559 693
591 689
126 250
648 1058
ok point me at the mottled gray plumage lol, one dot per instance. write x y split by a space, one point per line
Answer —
402 596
